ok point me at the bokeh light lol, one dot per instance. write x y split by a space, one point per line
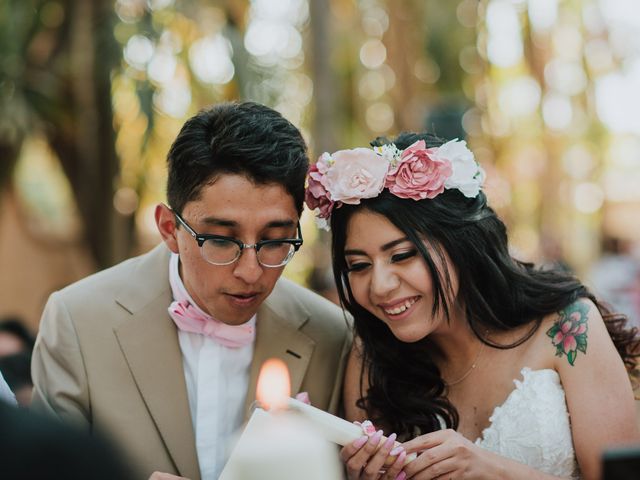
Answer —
210 59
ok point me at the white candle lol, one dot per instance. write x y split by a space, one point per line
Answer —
335 429
332 428
281 446
292 439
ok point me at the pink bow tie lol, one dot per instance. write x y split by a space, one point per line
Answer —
190 318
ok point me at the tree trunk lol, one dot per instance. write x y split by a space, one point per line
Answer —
85 141
324 82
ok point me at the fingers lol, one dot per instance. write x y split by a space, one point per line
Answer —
394 472
444 455
350 450
426 460
393 454
357 463
372 455
376 463
365 458
429 440
444 470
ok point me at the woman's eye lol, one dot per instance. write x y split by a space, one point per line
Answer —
398 257
357 267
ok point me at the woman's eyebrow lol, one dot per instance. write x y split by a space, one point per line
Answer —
393 243
384 247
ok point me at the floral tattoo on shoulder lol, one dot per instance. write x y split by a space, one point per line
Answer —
569 333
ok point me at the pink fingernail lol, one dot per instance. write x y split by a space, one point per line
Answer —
368 428
375 439
401 476
397 450
401 457
360 441
390 441
304 397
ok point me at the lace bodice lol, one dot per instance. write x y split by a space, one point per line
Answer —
532 425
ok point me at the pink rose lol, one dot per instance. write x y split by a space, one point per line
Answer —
418 175
355 174
316 196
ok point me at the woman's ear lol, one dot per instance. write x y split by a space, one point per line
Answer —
166 223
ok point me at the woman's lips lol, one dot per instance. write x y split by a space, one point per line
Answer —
399 309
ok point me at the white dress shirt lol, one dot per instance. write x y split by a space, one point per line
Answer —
217 379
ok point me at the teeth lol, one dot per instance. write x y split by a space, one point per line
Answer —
400 308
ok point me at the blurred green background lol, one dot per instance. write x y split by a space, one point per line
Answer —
546 92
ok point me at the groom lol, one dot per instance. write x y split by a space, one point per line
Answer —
162 351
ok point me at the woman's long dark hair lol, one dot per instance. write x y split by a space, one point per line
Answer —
406 391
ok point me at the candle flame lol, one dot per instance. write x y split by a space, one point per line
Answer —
274 384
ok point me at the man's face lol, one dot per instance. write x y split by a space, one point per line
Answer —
231 206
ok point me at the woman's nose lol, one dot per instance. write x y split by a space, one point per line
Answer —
384 281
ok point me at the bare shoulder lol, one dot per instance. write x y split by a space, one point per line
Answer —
597 389
567 332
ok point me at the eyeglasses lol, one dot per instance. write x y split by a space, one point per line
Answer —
221 250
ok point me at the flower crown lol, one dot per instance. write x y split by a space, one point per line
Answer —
417 172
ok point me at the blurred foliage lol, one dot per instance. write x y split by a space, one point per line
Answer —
108 84
57 60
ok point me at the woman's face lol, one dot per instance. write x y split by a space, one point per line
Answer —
391 280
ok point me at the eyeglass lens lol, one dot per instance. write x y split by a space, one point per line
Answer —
222 252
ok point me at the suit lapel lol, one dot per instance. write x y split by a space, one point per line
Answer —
149 342
278 335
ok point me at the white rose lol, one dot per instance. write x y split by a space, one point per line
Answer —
468 176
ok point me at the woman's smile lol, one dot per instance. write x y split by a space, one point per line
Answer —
397 308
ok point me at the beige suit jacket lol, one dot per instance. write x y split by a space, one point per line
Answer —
107 357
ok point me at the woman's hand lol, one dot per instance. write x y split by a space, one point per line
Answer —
446 454
365 458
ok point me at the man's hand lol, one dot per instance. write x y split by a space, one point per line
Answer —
165 476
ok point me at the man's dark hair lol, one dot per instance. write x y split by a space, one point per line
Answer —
242 138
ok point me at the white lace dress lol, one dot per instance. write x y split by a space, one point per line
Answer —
532 426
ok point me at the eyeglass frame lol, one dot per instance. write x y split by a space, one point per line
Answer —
203 237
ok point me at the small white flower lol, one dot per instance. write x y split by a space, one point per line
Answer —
389 152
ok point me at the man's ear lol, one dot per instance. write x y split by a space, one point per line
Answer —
166 223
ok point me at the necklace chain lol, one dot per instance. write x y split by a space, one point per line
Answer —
471 368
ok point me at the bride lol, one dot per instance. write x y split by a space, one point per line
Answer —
485 366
